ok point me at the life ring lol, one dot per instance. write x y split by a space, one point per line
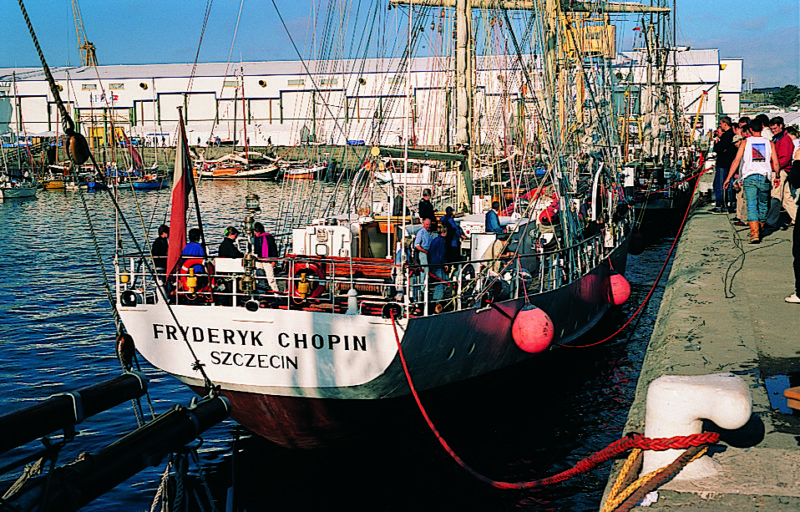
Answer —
194 275
305 288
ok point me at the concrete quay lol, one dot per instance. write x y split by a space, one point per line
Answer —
723 310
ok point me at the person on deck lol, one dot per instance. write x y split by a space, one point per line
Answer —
160 249
425 207
228 249
422 242
758 162
454 235
397 207
265 247
193 248
438 259
783 193
493 221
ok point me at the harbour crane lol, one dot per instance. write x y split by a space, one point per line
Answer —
87 48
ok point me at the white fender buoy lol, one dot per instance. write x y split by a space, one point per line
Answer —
532 329
618 289
676 406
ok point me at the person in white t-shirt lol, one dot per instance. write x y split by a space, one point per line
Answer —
759 163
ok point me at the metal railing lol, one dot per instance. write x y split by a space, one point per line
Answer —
411 290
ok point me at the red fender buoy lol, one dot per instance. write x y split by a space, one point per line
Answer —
532 329
618 289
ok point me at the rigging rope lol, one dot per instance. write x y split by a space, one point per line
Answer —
658 278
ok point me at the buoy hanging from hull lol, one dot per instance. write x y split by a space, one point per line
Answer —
532 329
618 289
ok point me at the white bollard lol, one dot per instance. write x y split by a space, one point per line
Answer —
677 405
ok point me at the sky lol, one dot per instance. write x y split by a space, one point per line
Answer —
765 34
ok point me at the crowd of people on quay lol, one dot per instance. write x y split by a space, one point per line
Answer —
758 178
753 160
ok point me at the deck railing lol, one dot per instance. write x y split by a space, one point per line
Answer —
380 286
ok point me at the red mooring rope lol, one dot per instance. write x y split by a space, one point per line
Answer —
658 278
613 450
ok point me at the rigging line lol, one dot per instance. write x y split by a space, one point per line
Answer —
305 66
207 13
227 65
106 285
151 270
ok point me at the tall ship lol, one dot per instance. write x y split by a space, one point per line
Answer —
336 315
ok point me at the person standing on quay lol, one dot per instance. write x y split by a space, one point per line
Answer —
794 179
726 152
783 194
758 161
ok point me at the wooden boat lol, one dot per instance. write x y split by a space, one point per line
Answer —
303 173
238 172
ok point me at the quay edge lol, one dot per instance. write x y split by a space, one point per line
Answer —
748 330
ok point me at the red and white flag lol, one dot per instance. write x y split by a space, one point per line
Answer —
182 183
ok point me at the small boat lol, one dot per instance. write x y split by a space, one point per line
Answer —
150 182
238 172
18 189
303 173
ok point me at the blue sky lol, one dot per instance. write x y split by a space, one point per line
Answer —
765 34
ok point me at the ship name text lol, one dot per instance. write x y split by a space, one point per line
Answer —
297 341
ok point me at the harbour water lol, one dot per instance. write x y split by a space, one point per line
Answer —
539 418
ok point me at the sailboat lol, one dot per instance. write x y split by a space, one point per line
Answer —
237 166
309 341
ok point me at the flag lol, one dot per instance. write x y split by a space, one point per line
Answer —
182 183
135 156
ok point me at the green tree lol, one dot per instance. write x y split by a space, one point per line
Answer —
786 96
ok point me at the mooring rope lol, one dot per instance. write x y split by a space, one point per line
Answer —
614 449
657 280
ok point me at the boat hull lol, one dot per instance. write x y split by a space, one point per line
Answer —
303 379
18 192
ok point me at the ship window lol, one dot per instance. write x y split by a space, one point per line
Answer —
88 87
298 81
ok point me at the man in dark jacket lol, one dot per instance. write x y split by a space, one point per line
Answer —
228 249
726 152
426 208
160 250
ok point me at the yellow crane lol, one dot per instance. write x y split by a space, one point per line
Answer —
88 55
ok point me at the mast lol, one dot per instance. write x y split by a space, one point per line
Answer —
244 122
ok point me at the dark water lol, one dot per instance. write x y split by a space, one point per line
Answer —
539 418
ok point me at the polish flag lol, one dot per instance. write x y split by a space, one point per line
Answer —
182 183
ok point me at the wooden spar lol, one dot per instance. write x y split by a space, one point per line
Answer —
67 409
531 5
72 486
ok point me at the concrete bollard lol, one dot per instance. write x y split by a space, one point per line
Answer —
676 406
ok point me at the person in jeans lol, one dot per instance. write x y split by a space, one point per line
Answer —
758 161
